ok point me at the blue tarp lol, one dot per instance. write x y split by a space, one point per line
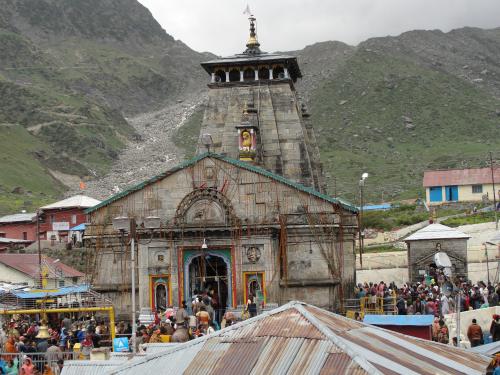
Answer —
38 293
377 207
80 227
399 320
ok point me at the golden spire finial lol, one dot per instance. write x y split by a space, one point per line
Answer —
252 41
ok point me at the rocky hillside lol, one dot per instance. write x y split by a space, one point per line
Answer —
396 106
69 73
399 105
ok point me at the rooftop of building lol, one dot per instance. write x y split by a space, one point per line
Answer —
29 265
470 176
253 54
18 218
436 232
298 338
77 201
241 164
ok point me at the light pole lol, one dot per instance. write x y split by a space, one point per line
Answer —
487 261
124 224
364 176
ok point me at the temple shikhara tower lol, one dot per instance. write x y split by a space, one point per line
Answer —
253 114
248 215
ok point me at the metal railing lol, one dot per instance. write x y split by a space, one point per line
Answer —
371 305
41 359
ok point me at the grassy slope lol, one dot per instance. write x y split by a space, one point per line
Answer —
20 168
358 119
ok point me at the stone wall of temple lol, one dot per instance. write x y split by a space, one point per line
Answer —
243 212
286 146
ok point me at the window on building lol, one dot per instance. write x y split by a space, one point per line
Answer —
25 236
52 218
61 283
2 235
75 280
477 189
161 258
73 219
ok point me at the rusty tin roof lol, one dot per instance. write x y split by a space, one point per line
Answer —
298 338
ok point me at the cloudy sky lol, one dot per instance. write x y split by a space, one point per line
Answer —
220 27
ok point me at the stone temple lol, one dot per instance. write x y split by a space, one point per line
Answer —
249 214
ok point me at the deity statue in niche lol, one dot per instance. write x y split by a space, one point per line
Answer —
247 144
246 140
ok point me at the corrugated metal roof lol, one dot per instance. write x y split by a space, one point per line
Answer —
488 349
436 232
89 367
471 176
17 218
339 345
345 204
13 240
28 264
80 201
290 323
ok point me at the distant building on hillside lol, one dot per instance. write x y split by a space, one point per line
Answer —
436 238
460 185
58 218
24 268
18 227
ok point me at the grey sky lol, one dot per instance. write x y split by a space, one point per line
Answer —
220 27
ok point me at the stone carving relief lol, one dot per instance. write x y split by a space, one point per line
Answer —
253 254
205 206
205 211
158 260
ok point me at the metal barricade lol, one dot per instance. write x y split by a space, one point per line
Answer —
41 359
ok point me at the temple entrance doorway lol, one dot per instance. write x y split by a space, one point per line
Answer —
210 272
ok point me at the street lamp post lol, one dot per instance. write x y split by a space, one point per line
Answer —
364 176
125 224
487 262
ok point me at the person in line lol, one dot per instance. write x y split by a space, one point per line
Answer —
495 328
251 306
475 334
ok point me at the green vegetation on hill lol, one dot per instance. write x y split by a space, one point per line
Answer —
401 216
69 71
394 119
478 218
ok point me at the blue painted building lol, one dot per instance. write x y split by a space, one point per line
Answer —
460 185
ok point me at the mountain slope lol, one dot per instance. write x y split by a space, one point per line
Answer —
70 71
396 106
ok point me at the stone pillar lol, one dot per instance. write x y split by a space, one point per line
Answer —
142 275
256 74
286 73
227 76
270 73
213 77
241 76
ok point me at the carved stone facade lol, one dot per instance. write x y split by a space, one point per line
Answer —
249 218
244 221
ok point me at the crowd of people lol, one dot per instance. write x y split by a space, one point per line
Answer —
27 349
437 298
202 317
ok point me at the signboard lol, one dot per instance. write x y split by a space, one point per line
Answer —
120 344
63 225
